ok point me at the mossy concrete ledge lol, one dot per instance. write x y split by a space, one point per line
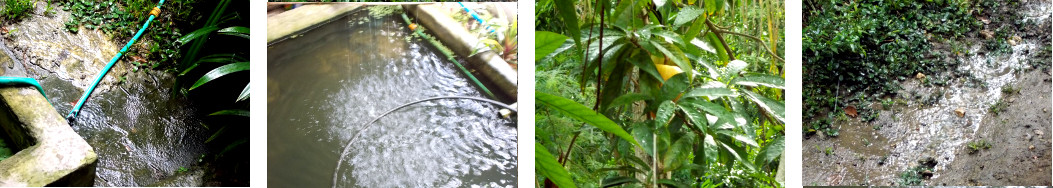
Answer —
51 154
458 39
300 19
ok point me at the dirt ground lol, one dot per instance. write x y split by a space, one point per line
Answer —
1020 137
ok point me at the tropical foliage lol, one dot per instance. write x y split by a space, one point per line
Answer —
661 93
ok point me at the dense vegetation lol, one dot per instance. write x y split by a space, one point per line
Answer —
858 52
659 93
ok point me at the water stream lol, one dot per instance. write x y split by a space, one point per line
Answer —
325 83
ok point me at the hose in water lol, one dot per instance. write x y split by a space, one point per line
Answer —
76 109
370 123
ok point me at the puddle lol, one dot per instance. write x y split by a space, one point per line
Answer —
324 84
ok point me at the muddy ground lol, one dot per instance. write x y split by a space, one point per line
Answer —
921 124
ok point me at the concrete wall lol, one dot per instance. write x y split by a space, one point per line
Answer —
53 154
297 20
458 39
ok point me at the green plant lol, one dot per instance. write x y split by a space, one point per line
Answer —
913 176
17 9
829 151
976 146
181 170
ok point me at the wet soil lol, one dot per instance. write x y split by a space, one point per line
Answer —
920 123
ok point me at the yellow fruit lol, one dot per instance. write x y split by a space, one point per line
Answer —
667 71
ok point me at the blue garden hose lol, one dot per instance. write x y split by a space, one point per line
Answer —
470 12
17 81
76 109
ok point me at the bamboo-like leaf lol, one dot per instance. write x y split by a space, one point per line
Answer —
712 40
196 34
549 168
775 108
219 72
234 112
546 43
766 80
711 92
581 113
566 9
237 31
244 93
216 134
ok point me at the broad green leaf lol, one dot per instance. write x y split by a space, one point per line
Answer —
244 93
237 31
771 151
695 116
694 30
677 153
673 87
688 14
709 145
775 108
739 136
549 168
646 137
219 72
196 34
734 67
566 9
546 43
766 80
235 112
629 98
738 153
665 113
712 93
581 113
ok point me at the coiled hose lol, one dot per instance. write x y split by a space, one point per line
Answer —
370 123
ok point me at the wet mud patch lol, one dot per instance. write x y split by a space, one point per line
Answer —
984 122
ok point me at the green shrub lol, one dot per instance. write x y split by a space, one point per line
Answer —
17 9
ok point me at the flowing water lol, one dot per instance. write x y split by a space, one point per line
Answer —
141 133
325 84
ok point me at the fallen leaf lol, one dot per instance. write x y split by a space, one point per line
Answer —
960 112
851 111
919 76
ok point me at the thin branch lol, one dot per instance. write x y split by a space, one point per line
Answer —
764 45
731 55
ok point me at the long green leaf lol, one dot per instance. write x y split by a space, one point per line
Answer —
237 31
546 43
629 98
549 168
219 72
710 92
235 112
244 93
775 108
766 80
566 9
581 113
